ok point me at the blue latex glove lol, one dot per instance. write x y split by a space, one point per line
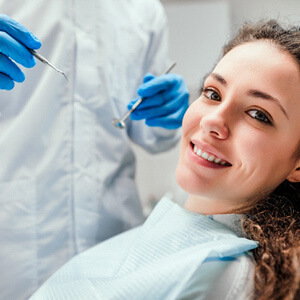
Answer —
14 38
165 100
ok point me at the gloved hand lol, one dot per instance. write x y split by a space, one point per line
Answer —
14 38
165 100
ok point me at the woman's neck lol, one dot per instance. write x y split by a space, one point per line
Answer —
208 206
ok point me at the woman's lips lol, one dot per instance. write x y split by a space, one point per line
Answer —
206 158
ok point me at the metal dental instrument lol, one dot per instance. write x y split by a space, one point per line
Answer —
120 123
45 61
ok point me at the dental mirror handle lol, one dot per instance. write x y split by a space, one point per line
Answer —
46 61
121 123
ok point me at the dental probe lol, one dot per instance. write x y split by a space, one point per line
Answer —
120 123
45 61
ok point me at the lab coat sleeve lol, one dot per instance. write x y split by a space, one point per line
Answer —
155 139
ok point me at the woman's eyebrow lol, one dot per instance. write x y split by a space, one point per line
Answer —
218 77
252 93
265 96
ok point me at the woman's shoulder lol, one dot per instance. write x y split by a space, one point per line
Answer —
236 282
228 279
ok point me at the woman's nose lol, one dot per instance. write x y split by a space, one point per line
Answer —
214 124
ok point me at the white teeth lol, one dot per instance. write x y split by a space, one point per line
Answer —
217 160
205 155
211 158
208 157
199 152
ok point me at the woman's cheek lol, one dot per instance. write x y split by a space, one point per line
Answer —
191 118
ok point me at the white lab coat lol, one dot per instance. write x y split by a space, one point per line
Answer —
66 174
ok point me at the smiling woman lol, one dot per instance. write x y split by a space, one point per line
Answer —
248 117
238 234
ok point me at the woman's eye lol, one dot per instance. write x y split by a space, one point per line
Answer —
259 116
211 94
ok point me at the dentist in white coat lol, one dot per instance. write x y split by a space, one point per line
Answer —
66 174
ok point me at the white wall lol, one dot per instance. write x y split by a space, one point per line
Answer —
198 30
242 10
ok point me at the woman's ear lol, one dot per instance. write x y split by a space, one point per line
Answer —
294 176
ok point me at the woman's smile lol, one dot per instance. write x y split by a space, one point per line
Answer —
206 158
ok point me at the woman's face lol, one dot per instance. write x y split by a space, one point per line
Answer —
244 128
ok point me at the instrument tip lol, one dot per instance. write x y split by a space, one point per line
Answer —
118 123
64 75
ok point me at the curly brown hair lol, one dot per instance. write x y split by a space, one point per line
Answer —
275 220
275 224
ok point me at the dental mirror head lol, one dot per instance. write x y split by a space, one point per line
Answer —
118 123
